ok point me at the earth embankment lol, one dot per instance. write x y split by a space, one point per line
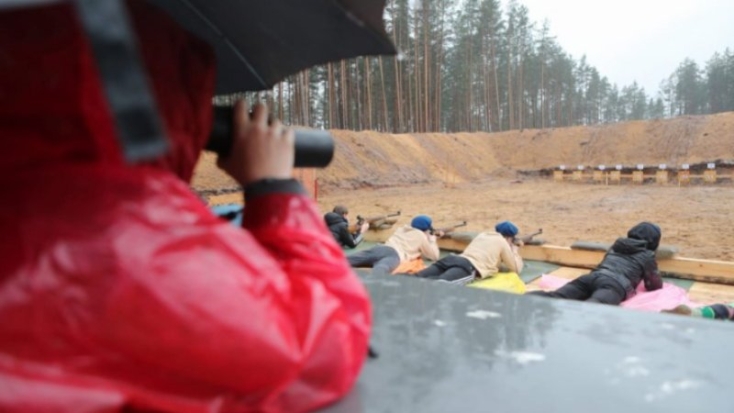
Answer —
372 159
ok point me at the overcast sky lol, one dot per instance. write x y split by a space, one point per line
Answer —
642 40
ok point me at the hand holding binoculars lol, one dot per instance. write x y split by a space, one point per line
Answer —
313 148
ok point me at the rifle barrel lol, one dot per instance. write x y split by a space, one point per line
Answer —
448 229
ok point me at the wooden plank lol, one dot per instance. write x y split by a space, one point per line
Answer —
563 256
720 272
380 235
569 273
231 198
709 175
452 244
708 293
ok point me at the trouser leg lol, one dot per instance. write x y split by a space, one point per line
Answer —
364 258
578 289
452 268
606 290
607 296
457 275
460 270
386 265
382 259
433 271
386 260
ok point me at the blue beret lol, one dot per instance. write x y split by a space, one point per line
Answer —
421 222
506 228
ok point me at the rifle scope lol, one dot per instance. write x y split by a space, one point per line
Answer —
313 148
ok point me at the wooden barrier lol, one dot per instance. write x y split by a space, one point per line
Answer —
661 177
721 272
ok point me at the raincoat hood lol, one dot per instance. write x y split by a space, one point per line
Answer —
648 232
629 246
120 291
52 104
332 218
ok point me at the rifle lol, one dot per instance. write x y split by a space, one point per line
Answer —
527 238
447 230
375 221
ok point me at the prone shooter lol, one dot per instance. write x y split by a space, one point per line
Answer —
350 235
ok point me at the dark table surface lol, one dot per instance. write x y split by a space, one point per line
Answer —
454 349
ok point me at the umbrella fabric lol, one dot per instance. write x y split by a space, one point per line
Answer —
259 43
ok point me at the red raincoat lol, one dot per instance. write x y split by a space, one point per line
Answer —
119 290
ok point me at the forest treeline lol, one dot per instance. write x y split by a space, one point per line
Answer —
475 66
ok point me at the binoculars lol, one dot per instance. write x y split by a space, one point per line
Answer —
313 148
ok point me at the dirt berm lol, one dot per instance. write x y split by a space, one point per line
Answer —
372 159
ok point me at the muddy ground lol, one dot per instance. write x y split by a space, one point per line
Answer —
697 219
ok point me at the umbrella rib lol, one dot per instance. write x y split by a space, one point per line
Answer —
226 40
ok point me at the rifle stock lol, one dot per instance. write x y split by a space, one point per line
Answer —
354 227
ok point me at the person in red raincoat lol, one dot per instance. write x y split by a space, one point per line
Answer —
119 290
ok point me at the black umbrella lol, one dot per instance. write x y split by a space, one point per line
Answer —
258 43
